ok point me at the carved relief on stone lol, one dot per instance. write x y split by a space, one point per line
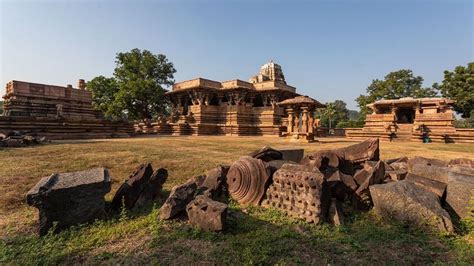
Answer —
273 99
265 99
59 111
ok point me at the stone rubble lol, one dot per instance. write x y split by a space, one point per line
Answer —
141 188
15 139
313 188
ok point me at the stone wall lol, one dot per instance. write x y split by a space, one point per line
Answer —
235 120
56 112
41 100
68 129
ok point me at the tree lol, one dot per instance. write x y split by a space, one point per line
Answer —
1 107
103 96
334 113
395 85
459 86
136 90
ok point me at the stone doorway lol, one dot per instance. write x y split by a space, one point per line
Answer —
405 115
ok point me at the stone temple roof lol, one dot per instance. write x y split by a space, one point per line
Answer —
302 101
410 100
201 83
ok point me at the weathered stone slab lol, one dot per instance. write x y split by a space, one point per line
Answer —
247 180
277 164
300 191
130 190
396 175
292 154
424 161
410 204
341 185
207 214
322 160
346 158
69 198
460 169
153 188
267 154
439 188
460 191
370 175
435 172
367 150
397 160
399 166
462 162
214 181
179 197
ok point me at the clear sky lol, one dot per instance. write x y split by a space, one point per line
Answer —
328 49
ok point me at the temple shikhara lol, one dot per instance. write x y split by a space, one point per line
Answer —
235 107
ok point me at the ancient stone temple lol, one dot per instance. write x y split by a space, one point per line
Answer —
56 112
40 100
409 119
235 107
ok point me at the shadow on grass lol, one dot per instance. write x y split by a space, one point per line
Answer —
252 236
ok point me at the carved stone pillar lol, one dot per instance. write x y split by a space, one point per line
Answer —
290 126
311 123
374 109
251 101
230 98
394 110
296 120
304 118
273 99
265 99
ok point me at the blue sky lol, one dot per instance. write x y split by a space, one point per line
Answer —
328 49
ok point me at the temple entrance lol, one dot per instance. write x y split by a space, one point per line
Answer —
405 115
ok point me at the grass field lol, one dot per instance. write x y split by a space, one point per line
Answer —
254 235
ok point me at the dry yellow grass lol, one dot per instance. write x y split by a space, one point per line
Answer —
184 157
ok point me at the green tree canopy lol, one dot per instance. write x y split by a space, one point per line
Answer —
398 84
459 86
136 90
103 96
334 113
